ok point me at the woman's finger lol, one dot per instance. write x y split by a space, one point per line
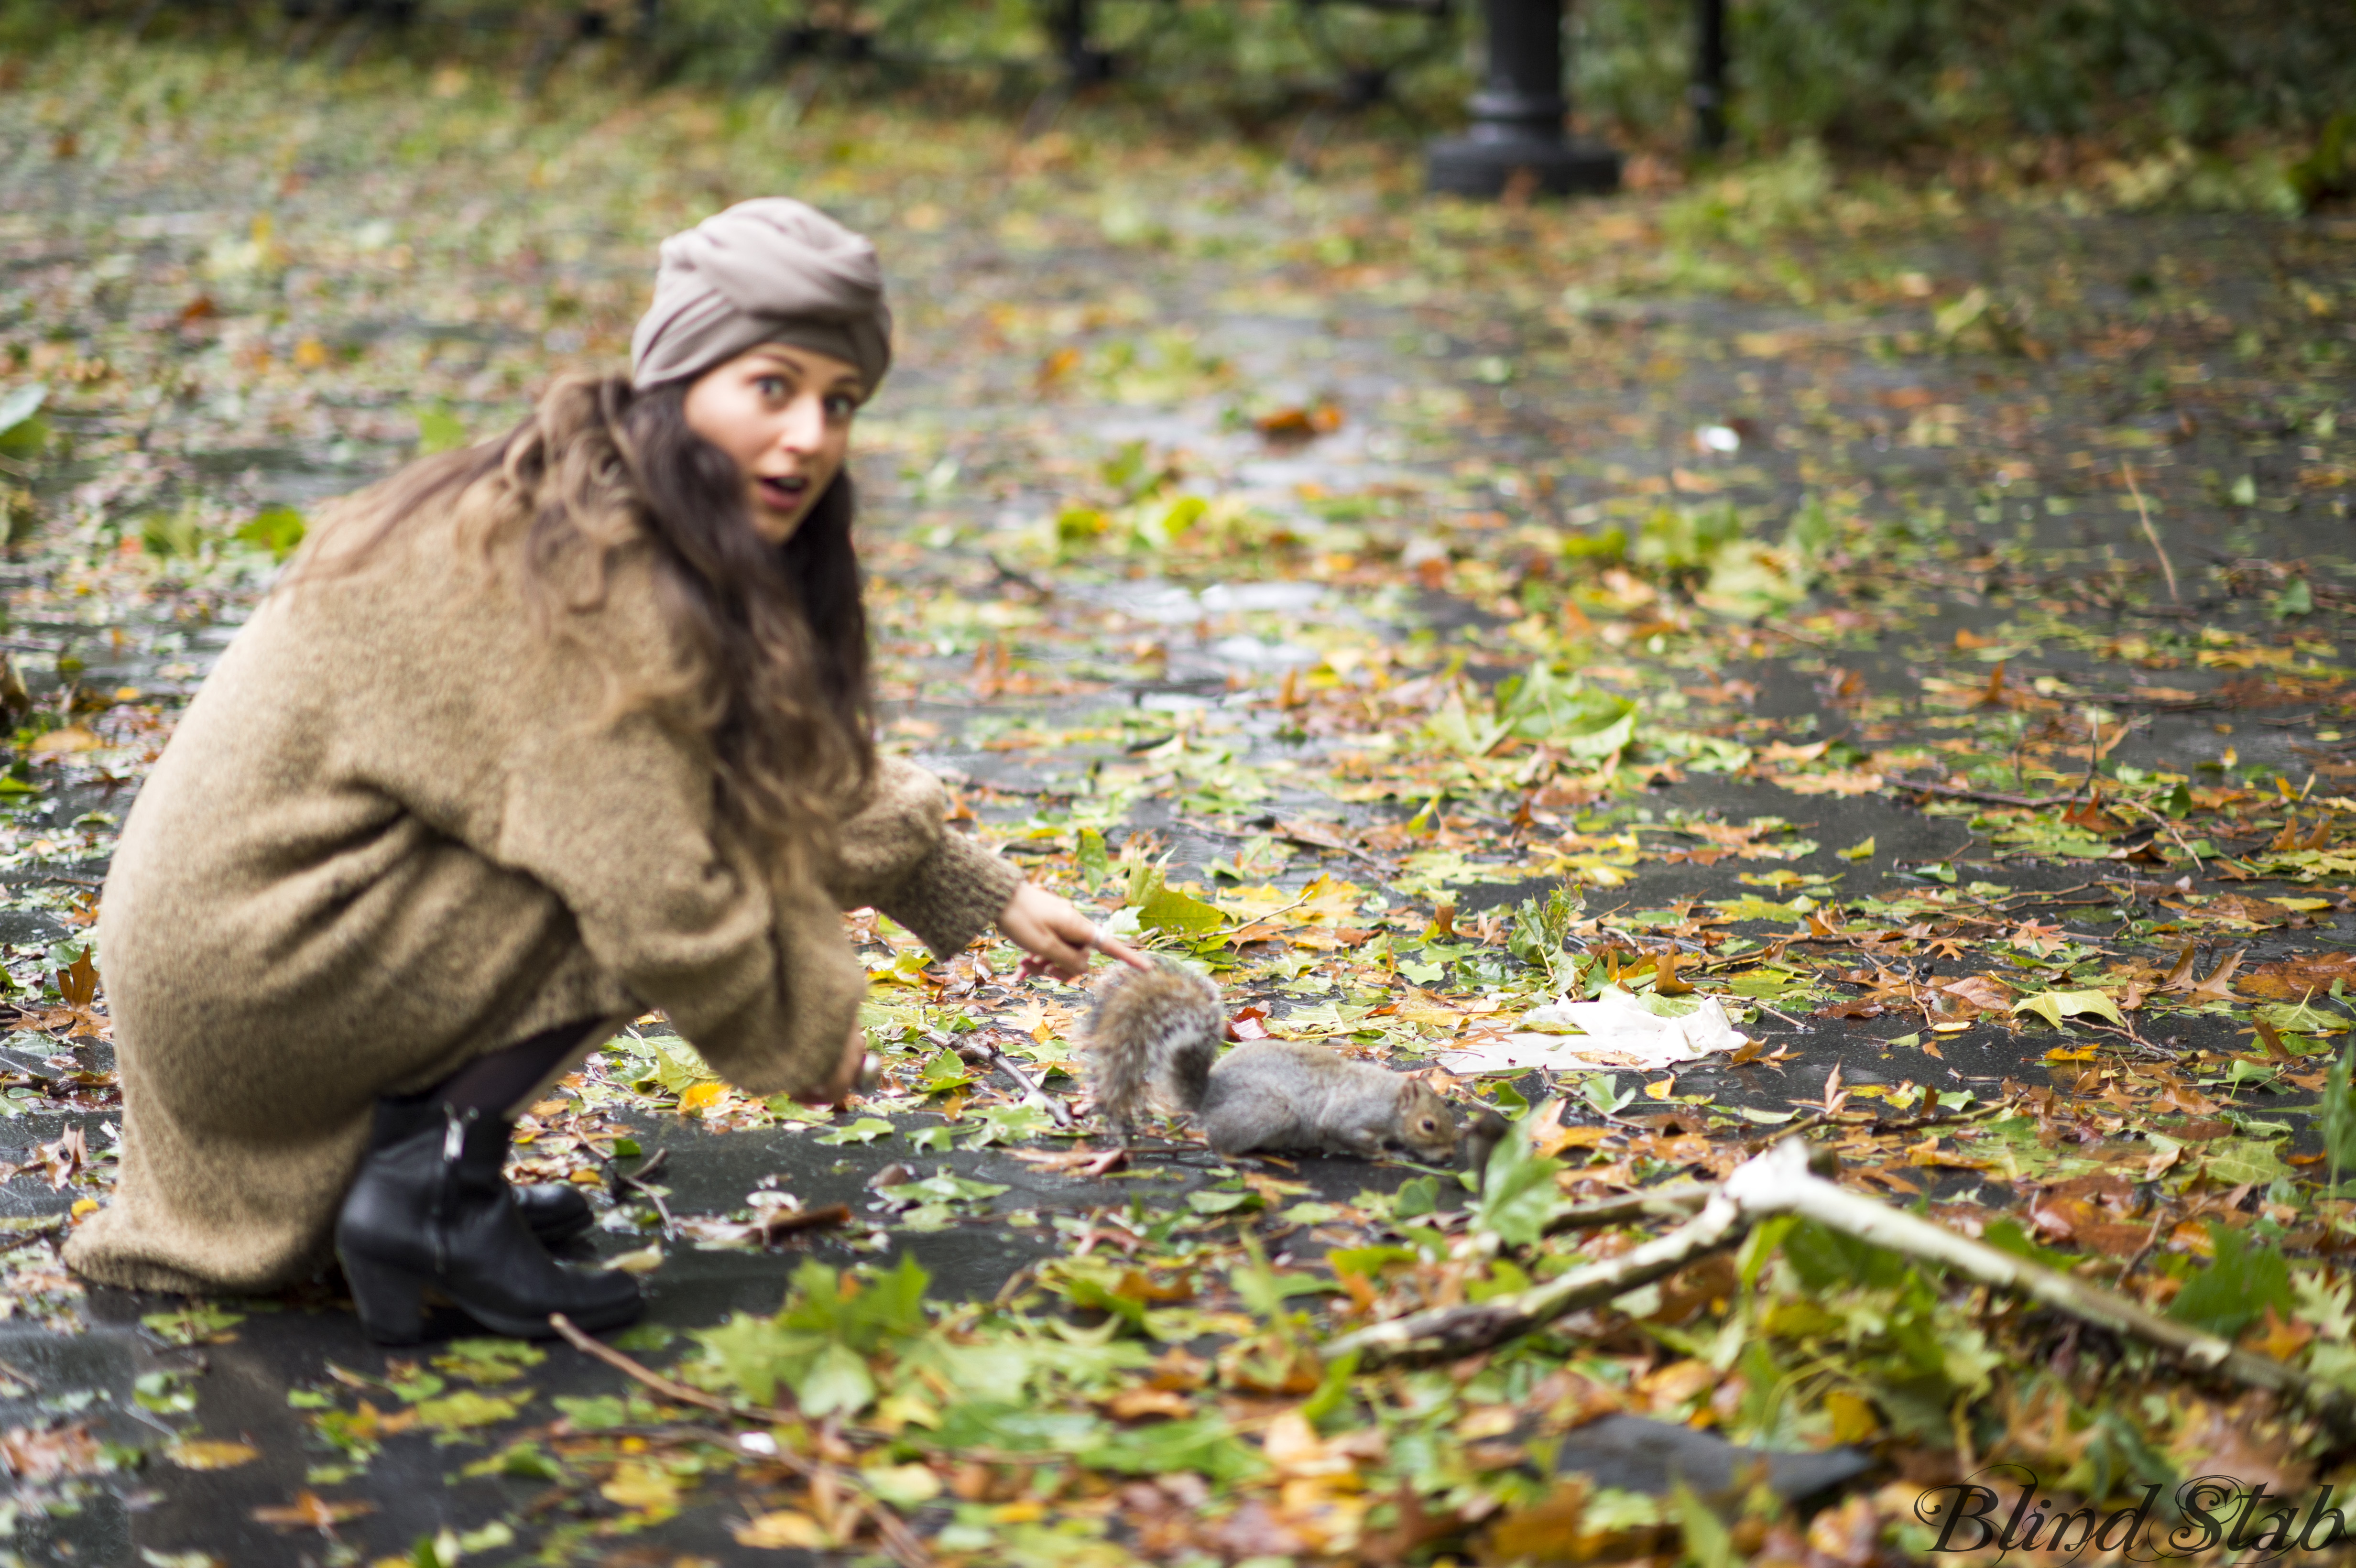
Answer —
1130 956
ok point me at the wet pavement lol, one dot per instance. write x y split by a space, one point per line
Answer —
1466 413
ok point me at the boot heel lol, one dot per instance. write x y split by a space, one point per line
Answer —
389 1300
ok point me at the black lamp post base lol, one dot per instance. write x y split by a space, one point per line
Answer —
1483 167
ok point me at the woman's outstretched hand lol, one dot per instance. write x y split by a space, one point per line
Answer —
1057 937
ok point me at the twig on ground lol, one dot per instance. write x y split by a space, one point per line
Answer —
2127 471
1679 1199
898 1540
1445 1333
1994 797
1033 1094
638 1184
1779 1182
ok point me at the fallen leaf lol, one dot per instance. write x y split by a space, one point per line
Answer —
782 1529
2055 1006
207 1455
311 1511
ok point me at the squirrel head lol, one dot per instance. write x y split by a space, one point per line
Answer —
1427 1125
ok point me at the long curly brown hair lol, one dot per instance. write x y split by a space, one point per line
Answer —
775 673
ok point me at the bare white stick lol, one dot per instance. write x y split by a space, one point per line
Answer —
1033 1093
1779 1182
1445 1332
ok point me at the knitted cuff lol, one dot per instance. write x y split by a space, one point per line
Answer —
950 896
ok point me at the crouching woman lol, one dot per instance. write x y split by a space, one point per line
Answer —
532 738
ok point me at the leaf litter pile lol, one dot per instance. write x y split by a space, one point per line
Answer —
1788 657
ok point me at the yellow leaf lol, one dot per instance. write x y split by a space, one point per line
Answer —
1660 1091
781 1530
1853 1418
2083 1053
210 1456
698 1098
1029 1510
2055 1006
62 742
639 1485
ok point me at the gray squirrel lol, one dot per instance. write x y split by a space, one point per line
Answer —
1154 1037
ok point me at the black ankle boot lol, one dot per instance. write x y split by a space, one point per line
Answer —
432 1209
556 1210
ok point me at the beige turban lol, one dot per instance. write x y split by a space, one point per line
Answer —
767 271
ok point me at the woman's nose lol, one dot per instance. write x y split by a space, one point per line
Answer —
805 424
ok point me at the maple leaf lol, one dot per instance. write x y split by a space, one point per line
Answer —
311 1511
2030 936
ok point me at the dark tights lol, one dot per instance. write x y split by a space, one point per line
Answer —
495 1082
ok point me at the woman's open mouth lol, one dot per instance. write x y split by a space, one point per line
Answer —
783 493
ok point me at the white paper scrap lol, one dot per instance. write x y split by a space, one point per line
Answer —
1615 1030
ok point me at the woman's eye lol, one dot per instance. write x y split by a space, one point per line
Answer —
839 407
770 386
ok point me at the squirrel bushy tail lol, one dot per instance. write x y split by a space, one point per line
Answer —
1152 1037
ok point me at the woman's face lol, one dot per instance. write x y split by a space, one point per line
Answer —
784 414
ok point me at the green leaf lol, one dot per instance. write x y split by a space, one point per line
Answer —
198 1323
489 1360
931 1140
1862 851
1007 1125
439 430
594 1414
865 1130
2006 1235
278 529
1223 1203
1707 1541
2233 1161
2055 1006
23 431
943 1072
1518 1195
21 405
990 1423
942 1187
2339 1117
837 1380
1180 914
466 1409
750 1354
1579 720
2234 1290
1094 864
1417 1195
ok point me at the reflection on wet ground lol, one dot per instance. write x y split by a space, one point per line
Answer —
1466 413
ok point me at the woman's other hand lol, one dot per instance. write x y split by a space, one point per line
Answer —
1056 936
845 1077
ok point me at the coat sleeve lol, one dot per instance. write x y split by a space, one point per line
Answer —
621 824
899 854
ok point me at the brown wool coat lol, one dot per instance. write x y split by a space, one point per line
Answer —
402 826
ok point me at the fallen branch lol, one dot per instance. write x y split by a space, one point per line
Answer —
1780 1182
1676 1200
1445 1333
1994 797
2127 471
1059 1113
901 1541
